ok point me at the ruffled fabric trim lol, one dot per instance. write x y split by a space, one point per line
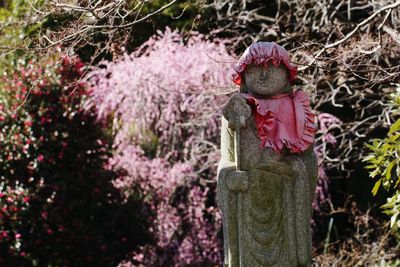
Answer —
280 127
264 53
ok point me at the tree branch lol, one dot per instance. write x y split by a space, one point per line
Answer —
350 34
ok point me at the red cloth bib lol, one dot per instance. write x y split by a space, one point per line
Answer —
284 120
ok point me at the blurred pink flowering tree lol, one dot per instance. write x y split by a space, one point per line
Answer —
163 101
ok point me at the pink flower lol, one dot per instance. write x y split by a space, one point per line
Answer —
44 214
40 157
28 123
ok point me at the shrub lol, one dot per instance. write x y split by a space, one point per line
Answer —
58 205
384 164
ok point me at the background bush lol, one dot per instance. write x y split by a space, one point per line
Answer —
58 206
384 163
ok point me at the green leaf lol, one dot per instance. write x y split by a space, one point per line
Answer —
393 219
386 185
377 143
371 167
371 147
395 127
374 173
369 157
393 138
389 169
398 181
376 187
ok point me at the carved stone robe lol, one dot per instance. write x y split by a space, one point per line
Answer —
276 207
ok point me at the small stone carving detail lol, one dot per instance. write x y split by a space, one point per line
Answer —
268 170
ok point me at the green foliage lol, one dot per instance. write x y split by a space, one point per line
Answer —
383 163
18 26
392 208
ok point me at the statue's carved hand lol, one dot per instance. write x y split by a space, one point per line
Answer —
236 112
237 181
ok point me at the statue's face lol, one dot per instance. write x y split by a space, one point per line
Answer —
266 81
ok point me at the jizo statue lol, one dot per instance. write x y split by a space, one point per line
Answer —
268 170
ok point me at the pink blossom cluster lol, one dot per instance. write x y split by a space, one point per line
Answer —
164 102
14 202
326 124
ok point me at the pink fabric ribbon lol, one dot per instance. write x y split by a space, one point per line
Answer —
284 120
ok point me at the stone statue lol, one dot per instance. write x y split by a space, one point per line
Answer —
268 170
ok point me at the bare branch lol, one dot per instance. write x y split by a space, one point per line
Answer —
351 33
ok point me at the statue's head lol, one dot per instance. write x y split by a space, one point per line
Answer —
264 69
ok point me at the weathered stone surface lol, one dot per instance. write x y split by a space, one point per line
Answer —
266 81
266 203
